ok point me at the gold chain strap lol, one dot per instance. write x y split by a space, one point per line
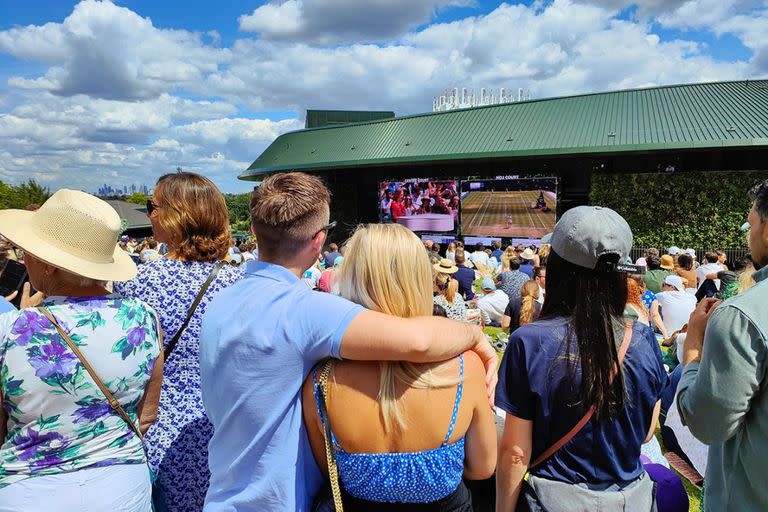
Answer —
333 472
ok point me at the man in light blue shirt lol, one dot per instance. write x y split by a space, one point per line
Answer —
5 306
722 393
262 336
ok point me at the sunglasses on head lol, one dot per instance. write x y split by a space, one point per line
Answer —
328 228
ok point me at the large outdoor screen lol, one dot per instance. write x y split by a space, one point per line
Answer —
421 205
514 207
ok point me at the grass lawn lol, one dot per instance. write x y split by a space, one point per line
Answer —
694 493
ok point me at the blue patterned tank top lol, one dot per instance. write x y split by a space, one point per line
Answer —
403 477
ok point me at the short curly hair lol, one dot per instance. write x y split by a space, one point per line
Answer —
193 212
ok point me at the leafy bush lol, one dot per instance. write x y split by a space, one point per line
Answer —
704 209
20 196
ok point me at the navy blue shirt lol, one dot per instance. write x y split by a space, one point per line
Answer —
527 268
465 276
497 254
533 385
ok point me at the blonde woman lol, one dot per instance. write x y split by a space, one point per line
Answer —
447 290
523 309
403 434
450 252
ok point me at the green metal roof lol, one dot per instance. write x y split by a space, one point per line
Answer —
711 115
320 118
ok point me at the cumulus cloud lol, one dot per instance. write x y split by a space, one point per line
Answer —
106 51
328 21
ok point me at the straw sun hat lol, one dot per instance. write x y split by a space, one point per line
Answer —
445 266
74 231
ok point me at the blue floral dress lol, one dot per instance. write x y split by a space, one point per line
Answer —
177 442
58 419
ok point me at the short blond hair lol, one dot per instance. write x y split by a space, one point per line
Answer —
387 270
288 209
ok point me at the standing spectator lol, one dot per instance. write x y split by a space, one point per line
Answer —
479 257
722 259
330 258
512 280
523 309
721 395
540 276
447 290
465 276
190 215
262 337
558 373
684 269
527 265
655 275
675 303
62 447
395 464
492 304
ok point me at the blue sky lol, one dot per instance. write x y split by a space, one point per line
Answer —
120 93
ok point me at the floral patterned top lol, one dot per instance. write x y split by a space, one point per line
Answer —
58 419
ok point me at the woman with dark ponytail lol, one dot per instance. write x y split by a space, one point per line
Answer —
581 388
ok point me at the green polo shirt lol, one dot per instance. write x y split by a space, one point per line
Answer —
655 278
724 401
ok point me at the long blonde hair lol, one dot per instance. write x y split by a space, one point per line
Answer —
448 286
530 293
387 270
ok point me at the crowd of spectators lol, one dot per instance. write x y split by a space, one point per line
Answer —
191 370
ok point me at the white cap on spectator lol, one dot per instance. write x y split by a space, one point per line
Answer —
674 250
675 281
691 252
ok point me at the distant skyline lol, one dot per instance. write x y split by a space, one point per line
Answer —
95 93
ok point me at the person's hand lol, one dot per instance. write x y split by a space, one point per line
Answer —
12 296
490 360
26 300
697 326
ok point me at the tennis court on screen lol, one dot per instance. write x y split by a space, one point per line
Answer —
507 214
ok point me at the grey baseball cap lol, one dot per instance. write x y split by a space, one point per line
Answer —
585 233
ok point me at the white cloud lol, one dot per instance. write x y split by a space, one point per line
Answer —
110 52
329 21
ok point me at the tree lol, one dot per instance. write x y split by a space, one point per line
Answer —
138 198
23 195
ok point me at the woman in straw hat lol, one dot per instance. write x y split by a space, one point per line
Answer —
65 446
188 214
447 289
425 425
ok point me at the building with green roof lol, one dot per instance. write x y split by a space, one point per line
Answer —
720 126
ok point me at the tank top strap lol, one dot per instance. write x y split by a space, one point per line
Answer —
316 392
459 391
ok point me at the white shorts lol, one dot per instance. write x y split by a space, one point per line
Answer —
119 488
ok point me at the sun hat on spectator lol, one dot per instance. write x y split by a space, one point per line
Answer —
338 261
667 262
527 254
674 250
488 284
74 231
445 266
675 281
586 233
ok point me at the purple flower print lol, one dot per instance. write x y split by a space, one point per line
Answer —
91 410
54 361
136 336
35 445
29 324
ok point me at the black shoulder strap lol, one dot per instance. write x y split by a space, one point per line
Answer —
169 348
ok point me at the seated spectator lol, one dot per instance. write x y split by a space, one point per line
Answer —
333 253
524 309
655 275
571 420
527 265
675 304
492 304
711 266
540 276
412 450
479 257
511 281
685 270
64 447
447 290
643 305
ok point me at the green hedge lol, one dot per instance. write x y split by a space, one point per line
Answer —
692 209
